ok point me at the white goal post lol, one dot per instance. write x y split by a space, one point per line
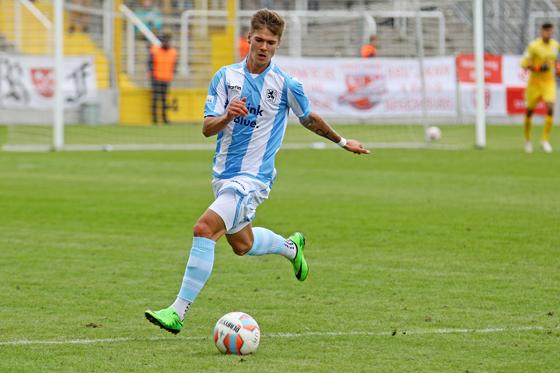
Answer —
58 108
480 124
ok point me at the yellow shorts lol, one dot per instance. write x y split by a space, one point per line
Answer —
537 91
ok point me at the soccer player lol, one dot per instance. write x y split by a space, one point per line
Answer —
540 61
247 108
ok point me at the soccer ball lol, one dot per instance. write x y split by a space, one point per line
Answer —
433 133
237 333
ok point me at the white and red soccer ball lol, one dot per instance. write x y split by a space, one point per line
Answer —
433 133
237 333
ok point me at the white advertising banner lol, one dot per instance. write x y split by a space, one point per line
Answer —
28 81
362 88
514 75
494 99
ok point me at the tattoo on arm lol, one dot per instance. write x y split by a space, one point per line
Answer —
322 133
307 121
317 125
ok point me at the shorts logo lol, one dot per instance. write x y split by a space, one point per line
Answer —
271 95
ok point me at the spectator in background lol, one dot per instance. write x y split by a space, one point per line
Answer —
79 20
162 65
244 44
369 50
151 16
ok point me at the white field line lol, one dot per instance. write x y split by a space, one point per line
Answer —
395 332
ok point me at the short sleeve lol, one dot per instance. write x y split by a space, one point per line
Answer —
528 56
297 100
216 101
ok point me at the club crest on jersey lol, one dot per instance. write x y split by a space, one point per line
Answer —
271 95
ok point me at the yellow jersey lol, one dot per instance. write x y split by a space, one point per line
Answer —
539 53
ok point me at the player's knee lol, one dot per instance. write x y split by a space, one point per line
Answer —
202 229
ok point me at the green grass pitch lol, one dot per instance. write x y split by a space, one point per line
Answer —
420 260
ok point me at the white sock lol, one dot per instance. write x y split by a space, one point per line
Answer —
290 249
181 306
199 267
267 242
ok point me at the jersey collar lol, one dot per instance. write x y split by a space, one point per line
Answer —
250 75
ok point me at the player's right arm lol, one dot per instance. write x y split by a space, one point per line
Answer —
528 62
218 111
213 125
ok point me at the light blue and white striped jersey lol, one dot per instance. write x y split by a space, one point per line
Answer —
248 145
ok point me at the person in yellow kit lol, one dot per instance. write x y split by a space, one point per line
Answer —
540 61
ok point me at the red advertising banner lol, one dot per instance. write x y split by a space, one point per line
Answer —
492 68
515 97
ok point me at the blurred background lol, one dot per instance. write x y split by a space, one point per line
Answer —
107 46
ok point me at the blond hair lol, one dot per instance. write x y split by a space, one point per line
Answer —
269 19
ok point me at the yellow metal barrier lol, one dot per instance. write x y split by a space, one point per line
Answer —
186 105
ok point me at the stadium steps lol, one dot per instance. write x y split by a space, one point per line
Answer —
35 39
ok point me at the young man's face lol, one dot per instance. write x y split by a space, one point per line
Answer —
546 33
263 46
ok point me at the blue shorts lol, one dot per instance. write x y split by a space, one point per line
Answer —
237 200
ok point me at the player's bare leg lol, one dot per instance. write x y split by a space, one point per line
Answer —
548 120
527 124
242 241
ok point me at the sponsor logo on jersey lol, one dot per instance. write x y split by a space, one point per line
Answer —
250 120
255 110
234 87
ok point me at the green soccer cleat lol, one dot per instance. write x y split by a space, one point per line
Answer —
166 319
301 269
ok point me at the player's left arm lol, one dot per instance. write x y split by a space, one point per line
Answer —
299 103
315 123
528 60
